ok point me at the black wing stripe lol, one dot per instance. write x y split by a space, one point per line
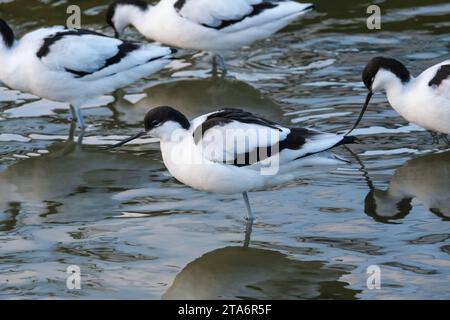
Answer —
124 49
442 74
51 40
344 141
257 9
78 74
81 74
294 141
229 115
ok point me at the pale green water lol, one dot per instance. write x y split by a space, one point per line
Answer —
138 233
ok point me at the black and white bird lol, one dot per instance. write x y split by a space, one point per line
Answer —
233 151
74 65
424 100
217 26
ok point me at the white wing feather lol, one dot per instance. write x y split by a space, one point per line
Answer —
213 12
225 143
89 53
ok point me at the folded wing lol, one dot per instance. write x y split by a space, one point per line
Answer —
236 137
88 55
223 14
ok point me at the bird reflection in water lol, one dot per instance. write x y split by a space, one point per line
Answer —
425 179
59 186
194 98
251 273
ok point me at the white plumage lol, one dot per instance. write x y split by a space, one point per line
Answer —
217 26
424 100
232 151
75 66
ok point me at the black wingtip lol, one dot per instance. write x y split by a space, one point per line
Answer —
347 140
310 7
350 140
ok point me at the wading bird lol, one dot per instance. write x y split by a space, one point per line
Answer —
424 100
217 26
227 150
74 65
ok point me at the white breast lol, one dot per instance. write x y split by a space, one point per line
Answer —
187 165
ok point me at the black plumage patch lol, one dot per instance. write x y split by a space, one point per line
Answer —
345 140
256 10
442 74
392 65
113 6
123 50
78 74
81 74
293 141
6 33
229 115
51 40
158 116
179 4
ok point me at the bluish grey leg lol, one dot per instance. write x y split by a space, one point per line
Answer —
74 113
80 119
249 216
223 65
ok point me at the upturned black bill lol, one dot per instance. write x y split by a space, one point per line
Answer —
363 111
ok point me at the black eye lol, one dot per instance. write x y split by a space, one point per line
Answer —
155 123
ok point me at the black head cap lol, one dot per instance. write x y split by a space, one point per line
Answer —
158 116
6 33
113 6
392 65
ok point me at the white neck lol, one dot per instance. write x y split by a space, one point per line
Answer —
5 54
170 132
128 15
394 87
4 49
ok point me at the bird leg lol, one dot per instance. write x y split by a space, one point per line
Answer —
248 233
223 65
214 66
74 113
80 137
249 216
79 117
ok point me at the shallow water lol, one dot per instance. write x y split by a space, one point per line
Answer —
136 232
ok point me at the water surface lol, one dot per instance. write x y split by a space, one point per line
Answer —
136 232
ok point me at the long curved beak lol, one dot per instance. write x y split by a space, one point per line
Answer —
363 111
136 136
